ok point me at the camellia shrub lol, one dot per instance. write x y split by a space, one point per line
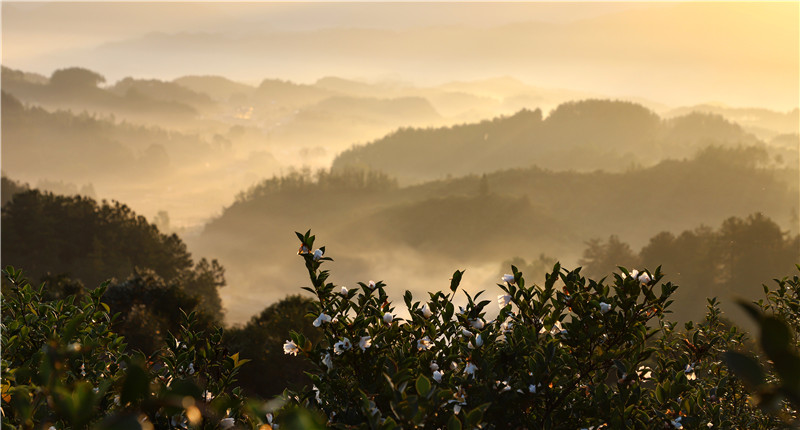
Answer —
571 353
64 368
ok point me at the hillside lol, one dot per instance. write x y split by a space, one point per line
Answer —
580 136
522 212
764 123
143 101
153 168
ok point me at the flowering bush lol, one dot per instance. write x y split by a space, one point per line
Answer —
776 388
572 353
64 368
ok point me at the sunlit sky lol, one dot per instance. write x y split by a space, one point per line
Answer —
739 54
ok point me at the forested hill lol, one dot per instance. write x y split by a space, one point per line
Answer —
580 136
715 184
520 212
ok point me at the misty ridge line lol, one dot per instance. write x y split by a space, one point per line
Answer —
208 130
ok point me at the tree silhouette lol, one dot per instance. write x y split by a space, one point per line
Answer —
76 78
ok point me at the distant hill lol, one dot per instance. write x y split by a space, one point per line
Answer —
216 87
382 111
357 88
162 91
581 136
417 230
79 89
324 128
764 123
80 147
280 93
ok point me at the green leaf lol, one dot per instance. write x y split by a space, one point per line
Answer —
453 423
745 367
136 385
775 335
475 416
660 393
423 386
787 365
389 424
456 280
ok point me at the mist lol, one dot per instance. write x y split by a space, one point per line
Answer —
415 139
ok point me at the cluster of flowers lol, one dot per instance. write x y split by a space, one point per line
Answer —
543 359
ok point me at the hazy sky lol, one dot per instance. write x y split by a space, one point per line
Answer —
742 54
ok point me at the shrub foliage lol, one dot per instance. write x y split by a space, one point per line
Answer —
570 353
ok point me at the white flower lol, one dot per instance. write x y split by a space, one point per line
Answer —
710 424
387 318
321 319
507 325
271 424
316 393
365 342
460 400
466 333
424 344
434 366
532 388
644 372
226 423
557 329
470 369
342 346
635 274
426 312
604 307
644 278
437 375
344 291
677 423
327 361
478 342
191 368
503 300
371 284
461 310
477 323
689 372
207 396
504 384
508 278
